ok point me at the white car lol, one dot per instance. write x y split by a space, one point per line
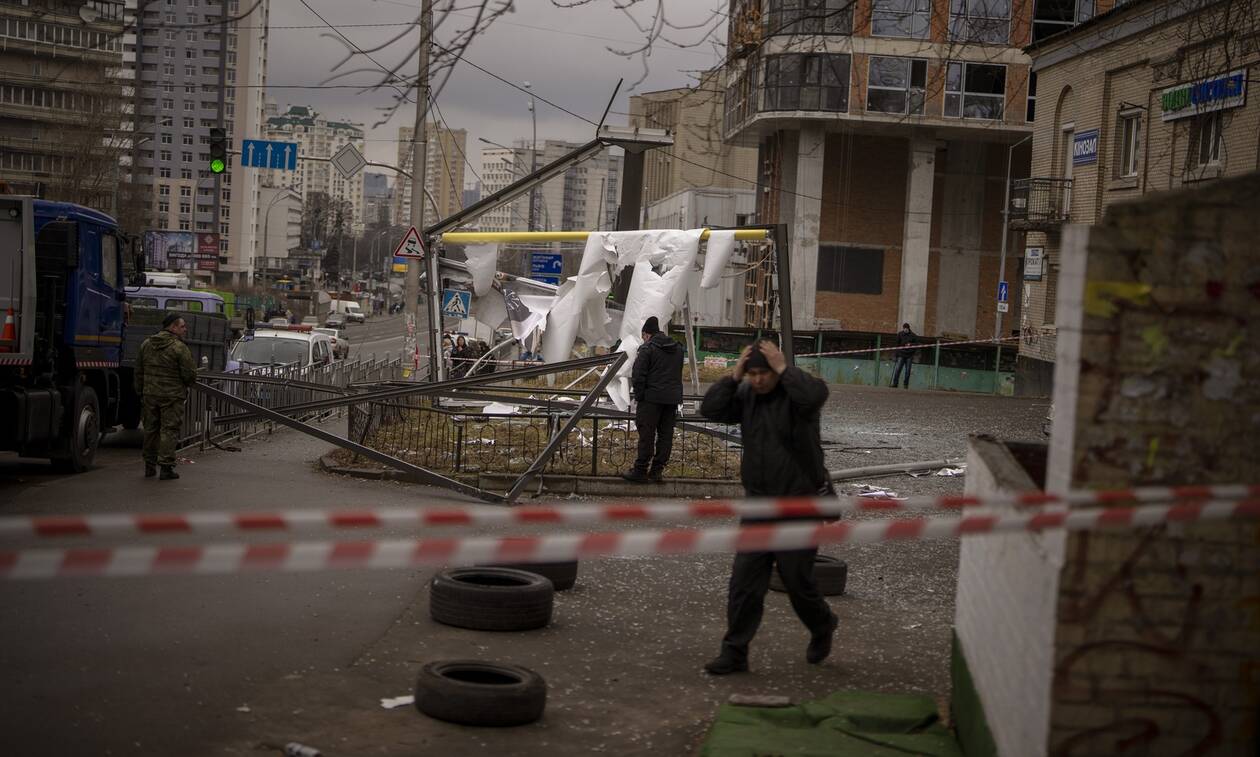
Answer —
341 345
271 348
350 309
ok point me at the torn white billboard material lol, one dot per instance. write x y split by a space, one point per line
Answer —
482 261
716 253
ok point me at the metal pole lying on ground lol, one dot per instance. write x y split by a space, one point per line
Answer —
883 470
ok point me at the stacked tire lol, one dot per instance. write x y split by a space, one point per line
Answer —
491 599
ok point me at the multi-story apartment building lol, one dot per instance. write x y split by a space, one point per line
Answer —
318 137
445 159
1148 96
378 200
61 120
198 65
699 158
883 129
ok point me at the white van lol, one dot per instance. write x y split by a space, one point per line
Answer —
349 308
273 347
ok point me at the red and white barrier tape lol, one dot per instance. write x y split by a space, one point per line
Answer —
295 520
920 345
406 553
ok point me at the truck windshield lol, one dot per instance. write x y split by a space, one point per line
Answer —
270 350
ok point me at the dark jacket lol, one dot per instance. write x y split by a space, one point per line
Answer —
657 375
906 341
780 432
165 368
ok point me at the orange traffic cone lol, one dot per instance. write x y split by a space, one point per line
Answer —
8 337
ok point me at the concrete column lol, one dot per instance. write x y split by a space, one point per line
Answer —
962 208
912 306
807 182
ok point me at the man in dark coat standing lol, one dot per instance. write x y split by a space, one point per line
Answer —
906 340
657 384
778 408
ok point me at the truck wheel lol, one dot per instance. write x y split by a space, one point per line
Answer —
471 692
84 433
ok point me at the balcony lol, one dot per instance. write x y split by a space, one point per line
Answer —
1040 204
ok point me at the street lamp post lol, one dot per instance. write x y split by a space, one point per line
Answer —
267 234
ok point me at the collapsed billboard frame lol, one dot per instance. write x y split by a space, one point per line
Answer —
611 363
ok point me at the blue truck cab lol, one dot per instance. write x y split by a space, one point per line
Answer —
62 295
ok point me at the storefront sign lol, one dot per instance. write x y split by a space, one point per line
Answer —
1204 96
1033 257
1085 148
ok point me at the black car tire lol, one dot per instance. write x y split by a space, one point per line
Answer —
491 599
830 574
563 575
471 692
84 433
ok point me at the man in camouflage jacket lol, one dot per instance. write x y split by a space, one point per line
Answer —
164 372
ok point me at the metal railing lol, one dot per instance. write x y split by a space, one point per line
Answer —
465 440
1040 204
273 387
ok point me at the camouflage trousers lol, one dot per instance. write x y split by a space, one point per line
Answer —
162 418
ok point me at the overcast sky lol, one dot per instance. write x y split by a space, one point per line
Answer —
561 52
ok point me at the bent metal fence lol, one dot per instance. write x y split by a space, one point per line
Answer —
468 438
273 387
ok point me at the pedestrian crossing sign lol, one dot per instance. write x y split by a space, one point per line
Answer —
456 303
410 246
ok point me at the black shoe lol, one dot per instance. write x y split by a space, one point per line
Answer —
150 470
820 645
725 665
168 473
635 476
656 477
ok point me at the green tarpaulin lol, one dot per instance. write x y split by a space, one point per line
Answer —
844 724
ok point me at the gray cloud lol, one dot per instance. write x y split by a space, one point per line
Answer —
561 52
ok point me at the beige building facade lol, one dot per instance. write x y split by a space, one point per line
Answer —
698 159
445 160
318 137
1149 97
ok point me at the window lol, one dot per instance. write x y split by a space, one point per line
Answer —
189 106
807 82
187 139
164 155
164 190
189 123
164 172
185 226
895 85
1130 137
1207 138
1032 97
168 52
168 69
1053 16
901 18
164 206
167 103
186 157
980 20
850 270
975 90
185 173
185 207
809 17
109 260
185 191
166 139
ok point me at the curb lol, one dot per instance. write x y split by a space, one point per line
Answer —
604 486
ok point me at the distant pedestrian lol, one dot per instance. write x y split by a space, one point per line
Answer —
778 409
461 358
448 350
164 372
657 384
906 339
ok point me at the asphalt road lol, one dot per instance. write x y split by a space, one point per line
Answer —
240 665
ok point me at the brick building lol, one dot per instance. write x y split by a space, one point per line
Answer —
884 129
1149 96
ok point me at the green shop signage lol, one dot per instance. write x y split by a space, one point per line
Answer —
1204 96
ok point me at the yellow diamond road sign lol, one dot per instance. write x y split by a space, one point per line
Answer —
410 246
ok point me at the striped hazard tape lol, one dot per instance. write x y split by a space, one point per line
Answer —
297 520
407 553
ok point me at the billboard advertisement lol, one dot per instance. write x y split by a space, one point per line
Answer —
181 250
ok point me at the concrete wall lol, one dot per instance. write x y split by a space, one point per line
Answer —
1004 617
1158 630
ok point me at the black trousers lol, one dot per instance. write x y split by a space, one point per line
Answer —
655 423
750 580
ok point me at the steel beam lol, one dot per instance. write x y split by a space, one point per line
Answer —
540 462
424 474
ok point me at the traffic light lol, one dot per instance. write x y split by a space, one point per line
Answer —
218 150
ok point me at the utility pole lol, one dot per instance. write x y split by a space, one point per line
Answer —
432 323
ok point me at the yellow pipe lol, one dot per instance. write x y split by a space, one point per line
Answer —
509 237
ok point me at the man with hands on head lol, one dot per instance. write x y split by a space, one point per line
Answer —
778 408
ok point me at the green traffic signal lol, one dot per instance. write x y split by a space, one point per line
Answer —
217 166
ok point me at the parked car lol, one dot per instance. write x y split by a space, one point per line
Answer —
335 321
271 348
341 345
350 309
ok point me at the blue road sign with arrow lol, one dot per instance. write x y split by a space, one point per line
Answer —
262 153
546 266
1003 291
